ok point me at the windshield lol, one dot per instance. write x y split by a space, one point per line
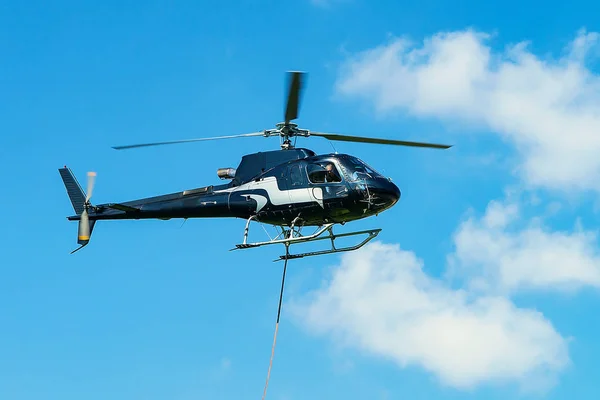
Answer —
357 170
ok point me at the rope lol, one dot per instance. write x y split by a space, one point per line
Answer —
287 253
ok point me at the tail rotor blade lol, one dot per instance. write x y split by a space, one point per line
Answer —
90 185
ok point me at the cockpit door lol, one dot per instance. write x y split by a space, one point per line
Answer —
326 183
297 184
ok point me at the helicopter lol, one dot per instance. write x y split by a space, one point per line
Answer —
290 188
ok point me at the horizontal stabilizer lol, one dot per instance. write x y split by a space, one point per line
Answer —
122 207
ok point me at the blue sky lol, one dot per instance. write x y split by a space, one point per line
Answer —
484 283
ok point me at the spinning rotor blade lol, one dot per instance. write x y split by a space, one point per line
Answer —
293 99
90 186
360 139
84 229
188 140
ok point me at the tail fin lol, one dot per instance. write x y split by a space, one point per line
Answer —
76 194
78 200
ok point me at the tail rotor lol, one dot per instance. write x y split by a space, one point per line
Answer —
85 225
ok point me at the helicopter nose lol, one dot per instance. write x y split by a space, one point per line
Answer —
385 193
394 193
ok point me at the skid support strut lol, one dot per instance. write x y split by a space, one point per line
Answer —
293 235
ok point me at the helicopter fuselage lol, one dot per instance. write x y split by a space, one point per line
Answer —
291 187
300 187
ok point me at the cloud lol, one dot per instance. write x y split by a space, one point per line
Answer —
495 256
549 109
380 300
471 333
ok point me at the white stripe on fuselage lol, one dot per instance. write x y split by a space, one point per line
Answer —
260 200
276 196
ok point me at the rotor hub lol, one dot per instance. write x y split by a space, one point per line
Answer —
287 130
286 126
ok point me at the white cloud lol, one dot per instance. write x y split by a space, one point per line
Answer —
380 300
495 256
549 109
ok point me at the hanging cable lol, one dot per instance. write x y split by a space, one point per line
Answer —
287 253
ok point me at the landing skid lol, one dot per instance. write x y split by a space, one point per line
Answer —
293 235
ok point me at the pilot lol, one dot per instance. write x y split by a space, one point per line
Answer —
331 174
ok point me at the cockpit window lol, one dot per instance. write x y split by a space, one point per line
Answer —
357 170
322 172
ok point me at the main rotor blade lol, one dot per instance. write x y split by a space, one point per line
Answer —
361 139
293 99
131 146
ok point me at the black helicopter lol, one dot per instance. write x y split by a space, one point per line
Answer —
289 188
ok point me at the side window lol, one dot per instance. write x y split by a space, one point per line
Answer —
296 178
323 172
